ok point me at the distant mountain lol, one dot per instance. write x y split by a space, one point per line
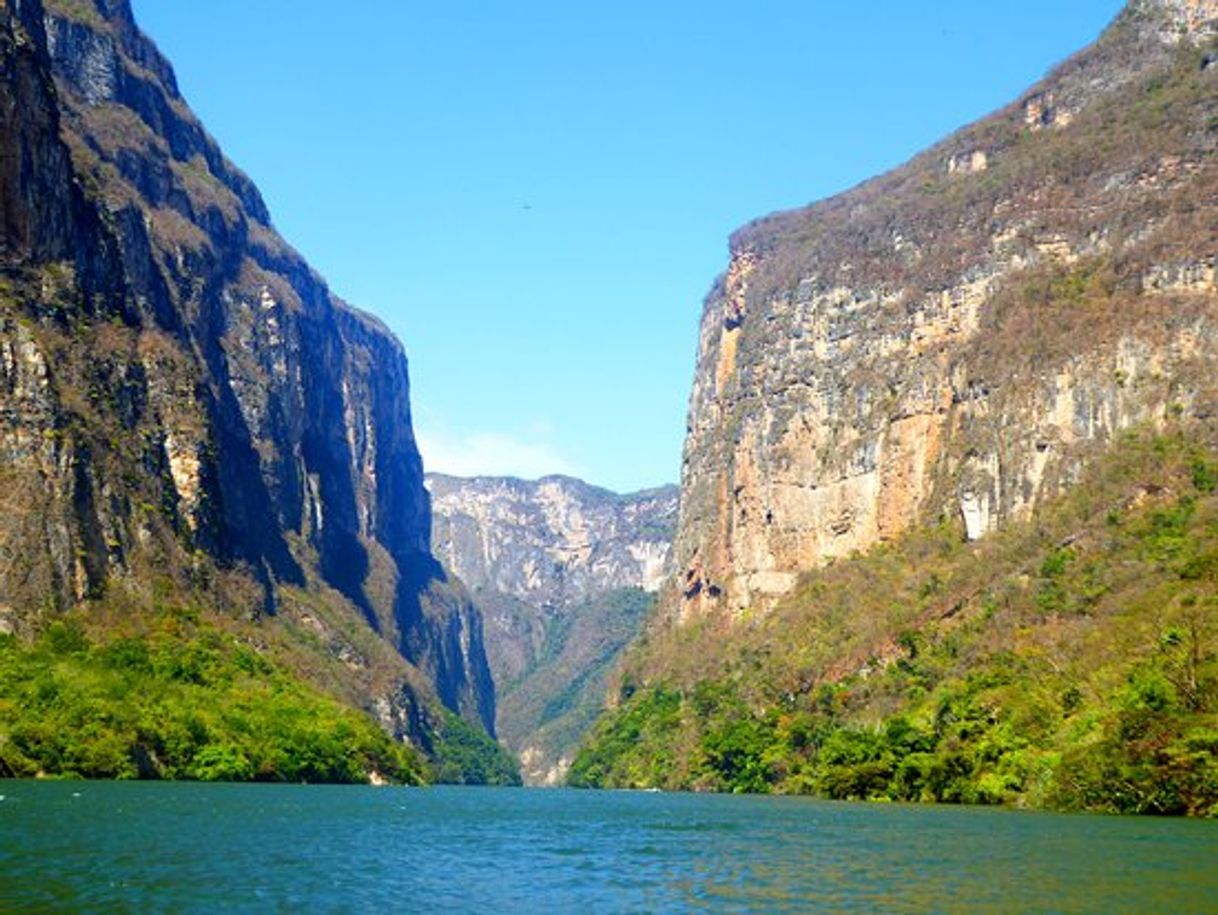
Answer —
196 435
947 494
563 573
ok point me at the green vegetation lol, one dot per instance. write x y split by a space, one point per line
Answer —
184 654
1068 662
82 11
465 755
558 698
184 702
206 191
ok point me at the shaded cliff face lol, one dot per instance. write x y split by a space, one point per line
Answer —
955 339
182 396
562 572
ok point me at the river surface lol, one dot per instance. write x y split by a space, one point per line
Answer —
210 848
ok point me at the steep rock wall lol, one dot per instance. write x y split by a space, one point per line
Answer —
562 572
177 387
531 549
955 338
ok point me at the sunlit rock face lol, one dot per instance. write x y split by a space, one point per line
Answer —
179 390
954 339
1178 20
546 545
560 571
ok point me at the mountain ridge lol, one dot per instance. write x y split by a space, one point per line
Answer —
577 482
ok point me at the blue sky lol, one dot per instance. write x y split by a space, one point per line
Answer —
535 196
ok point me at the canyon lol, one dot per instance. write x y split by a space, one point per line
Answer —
945 527
564 574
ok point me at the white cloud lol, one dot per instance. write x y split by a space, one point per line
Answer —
472 454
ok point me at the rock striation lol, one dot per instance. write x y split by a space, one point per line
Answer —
182 398
955 339
561 571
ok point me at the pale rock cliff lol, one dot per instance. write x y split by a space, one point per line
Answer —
952 340
560 570
1178 20
546 544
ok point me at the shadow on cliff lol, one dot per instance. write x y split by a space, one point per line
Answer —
440 631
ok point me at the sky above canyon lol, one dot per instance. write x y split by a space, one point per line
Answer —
535 196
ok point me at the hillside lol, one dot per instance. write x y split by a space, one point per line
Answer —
192 424
946 490
1070 661
564 573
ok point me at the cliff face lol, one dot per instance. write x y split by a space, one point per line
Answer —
180 394
1015 330
529 550
955 339
561 571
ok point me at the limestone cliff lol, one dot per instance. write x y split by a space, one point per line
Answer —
183 401
533 549
954 339
561 571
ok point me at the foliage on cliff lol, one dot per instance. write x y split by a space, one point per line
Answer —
962 329
465 755
190 418
921 362
1070 661
558 698
183 701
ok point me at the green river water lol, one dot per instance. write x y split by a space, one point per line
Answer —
140 847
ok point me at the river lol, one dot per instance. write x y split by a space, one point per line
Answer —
188 847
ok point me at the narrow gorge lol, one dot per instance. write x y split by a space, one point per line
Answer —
564 574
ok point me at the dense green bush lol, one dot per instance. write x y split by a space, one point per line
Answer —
465 755
184 706
631 748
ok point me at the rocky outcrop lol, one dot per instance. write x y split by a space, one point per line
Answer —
1173 21
179 391
954 340
560 570
546 545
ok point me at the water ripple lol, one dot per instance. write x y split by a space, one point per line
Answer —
203 848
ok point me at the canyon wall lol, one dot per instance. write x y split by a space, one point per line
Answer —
182 398
563 573
954 339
